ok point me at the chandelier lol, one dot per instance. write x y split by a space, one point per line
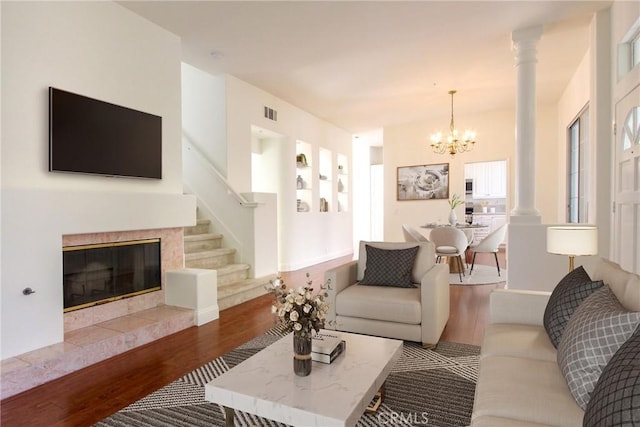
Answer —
453 145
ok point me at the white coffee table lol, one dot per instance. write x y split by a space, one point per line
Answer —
332 395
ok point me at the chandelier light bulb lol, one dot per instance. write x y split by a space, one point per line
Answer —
453 144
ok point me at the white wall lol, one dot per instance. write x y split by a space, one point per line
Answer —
204 114
594 82
408 144
101 50
304 238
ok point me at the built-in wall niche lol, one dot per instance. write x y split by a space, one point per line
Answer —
325 177
304 177
343 183
98 273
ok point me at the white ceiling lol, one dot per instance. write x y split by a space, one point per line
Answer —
364 65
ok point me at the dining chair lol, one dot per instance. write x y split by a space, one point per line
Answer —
470 236
450 242
412 235
489 244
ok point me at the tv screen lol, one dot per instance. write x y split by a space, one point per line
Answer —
91 136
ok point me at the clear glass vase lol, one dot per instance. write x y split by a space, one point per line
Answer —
302 354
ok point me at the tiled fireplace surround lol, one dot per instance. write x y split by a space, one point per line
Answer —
96 333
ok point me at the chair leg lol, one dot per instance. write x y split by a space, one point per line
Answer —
473 262
495 254
460 267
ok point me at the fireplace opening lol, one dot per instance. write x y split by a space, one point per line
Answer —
95 274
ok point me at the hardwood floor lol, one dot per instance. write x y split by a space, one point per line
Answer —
89 395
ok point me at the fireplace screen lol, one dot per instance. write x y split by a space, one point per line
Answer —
94 274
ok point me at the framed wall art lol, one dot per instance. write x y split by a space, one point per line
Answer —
424 182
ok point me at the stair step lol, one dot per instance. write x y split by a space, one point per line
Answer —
214 258
232 273
202 226
239 292
202 242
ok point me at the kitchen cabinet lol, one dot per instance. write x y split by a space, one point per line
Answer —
492 223
489 179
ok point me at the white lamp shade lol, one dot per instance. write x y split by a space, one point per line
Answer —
572 240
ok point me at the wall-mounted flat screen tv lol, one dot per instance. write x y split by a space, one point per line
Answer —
91 136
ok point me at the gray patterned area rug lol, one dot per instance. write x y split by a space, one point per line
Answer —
425 387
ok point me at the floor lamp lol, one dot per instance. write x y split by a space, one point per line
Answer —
572 240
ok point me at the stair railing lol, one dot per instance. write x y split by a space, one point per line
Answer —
236 216
188 146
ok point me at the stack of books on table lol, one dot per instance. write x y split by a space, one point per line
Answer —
326 346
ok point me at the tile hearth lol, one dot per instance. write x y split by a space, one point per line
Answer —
89 345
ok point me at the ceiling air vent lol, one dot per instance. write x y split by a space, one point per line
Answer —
270 113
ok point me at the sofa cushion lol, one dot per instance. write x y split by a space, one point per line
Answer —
625 285
615 400
507 339
565 298
526 390
389 267
594 333
425 258
380 303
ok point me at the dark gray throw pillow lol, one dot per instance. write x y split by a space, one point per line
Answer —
597 329
615 400
565 298
389 267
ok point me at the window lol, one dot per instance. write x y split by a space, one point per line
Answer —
577 139
629 50
631 129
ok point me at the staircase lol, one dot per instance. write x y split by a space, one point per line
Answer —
203 249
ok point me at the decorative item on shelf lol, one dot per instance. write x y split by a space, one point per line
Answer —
572 240
301 160
300 183
340 186
302 311
323 177
340 169
302 206
324 205
453 145
454 202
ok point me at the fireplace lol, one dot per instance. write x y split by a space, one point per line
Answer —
98 273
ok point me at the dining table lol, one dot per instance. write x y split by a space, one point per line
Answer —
461 225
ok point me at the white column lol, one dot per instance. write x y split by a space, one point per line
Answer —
524 46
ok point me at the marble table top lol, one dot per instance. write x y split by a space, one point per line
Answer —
335 394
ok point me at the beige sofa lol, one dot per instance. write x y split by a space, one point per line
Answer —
415 314
519 381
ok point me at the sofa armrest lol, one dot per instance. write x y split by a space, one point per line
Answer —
339 278
517 306
434 294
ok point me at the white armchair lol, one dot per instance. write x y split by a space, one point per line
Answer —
414 314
